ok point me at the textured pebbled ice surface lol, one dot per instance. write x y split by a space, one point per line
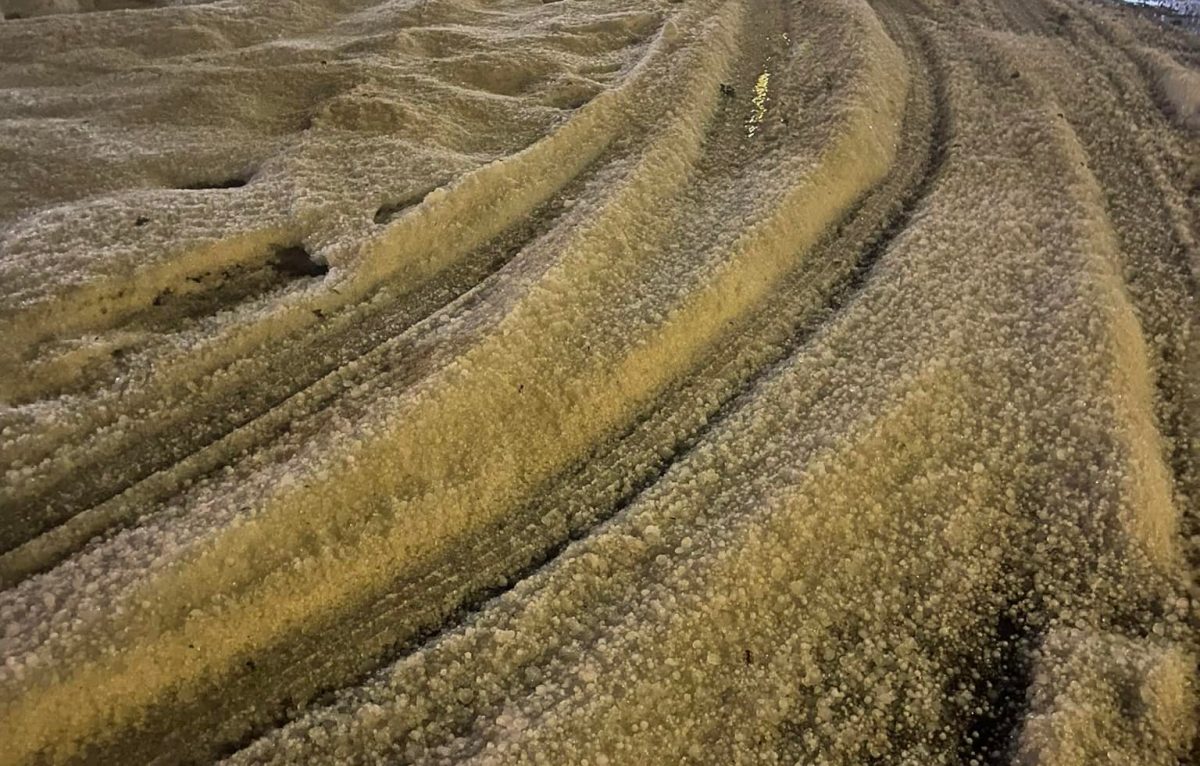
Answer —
598 381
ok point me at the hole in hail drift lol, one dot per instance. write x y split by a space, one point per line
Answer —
393 210
296 261
227 183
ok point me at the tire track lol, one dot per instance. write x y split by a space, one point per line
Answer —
613 476
235 658
814 395
598 630
164 467
1148 208
246 383
450 351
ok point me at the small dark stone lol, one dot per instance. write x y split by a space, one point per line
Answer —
141 221
728 90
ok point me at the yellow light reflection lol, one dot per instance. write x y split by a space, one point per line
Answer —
760 104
